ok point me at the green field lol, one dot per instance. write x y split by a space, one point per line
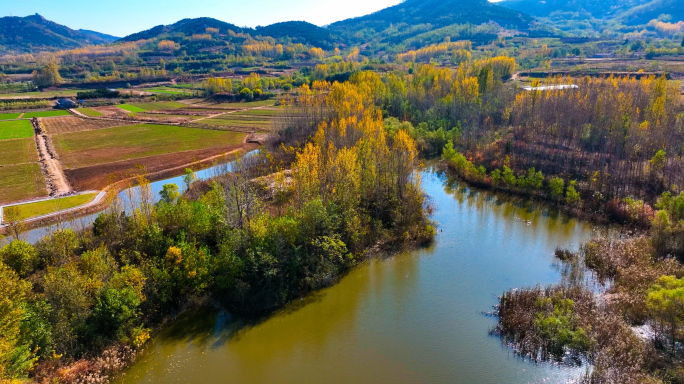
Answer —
40 208
30 115
21 181
85 148
158 106
89 112
18 151
15 129
167 91
42 95
131 108
160 116
260 112
9 116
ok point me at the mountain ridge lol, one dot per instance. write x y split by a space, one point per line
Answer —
34 32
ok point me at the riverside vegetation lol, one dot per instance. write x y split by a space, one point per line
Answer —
339 182
250 245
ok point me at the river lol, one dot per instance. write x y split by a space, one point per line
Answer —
413 318
124 197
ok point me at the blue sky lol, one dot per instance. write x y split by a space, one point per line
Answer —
123 17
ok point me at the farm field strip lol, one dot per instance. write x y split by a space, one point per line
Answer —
30 115
167 117
21 181
41 95
9 116
15 129
69 124
109 145
168 91
18 151
89 112
130 108
45 207
158 106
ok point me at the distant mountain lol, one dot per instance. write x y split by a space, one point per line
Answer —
35 33
300 32
432 14
98 35
644 13
597 9
296 31
185 26
629 12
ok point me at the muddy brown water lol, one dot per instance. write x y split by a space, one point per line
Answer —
413 318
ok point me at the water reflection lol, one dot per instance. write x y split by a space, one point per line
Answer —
413 318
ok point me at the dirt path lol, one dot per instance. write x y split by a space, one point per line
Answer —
77 113
55 180
212 116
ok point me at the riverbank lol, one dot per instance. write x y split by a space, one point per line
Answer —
631 214
413 317
114 189
641 277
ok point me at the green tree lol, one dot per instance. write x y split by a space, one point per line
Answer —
189 177
169 193
571 195
15 357
246 94
666 302
496 175
48 76
20 256
557 187
508 176
12 217
658 161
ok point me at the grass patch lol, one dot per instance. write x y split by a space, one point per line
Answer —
40 208
159 116
15 129
42 95
168 91
131 108
20 182
18 151
81 149
90 112
30 115
260 112
9 116
158 106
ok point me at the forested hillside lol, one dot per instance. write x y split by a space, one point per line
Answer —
413 17
292 31
36 33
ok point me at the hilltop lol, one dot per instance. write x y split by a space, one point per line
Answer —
628 12
413 17
295 31
35 33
